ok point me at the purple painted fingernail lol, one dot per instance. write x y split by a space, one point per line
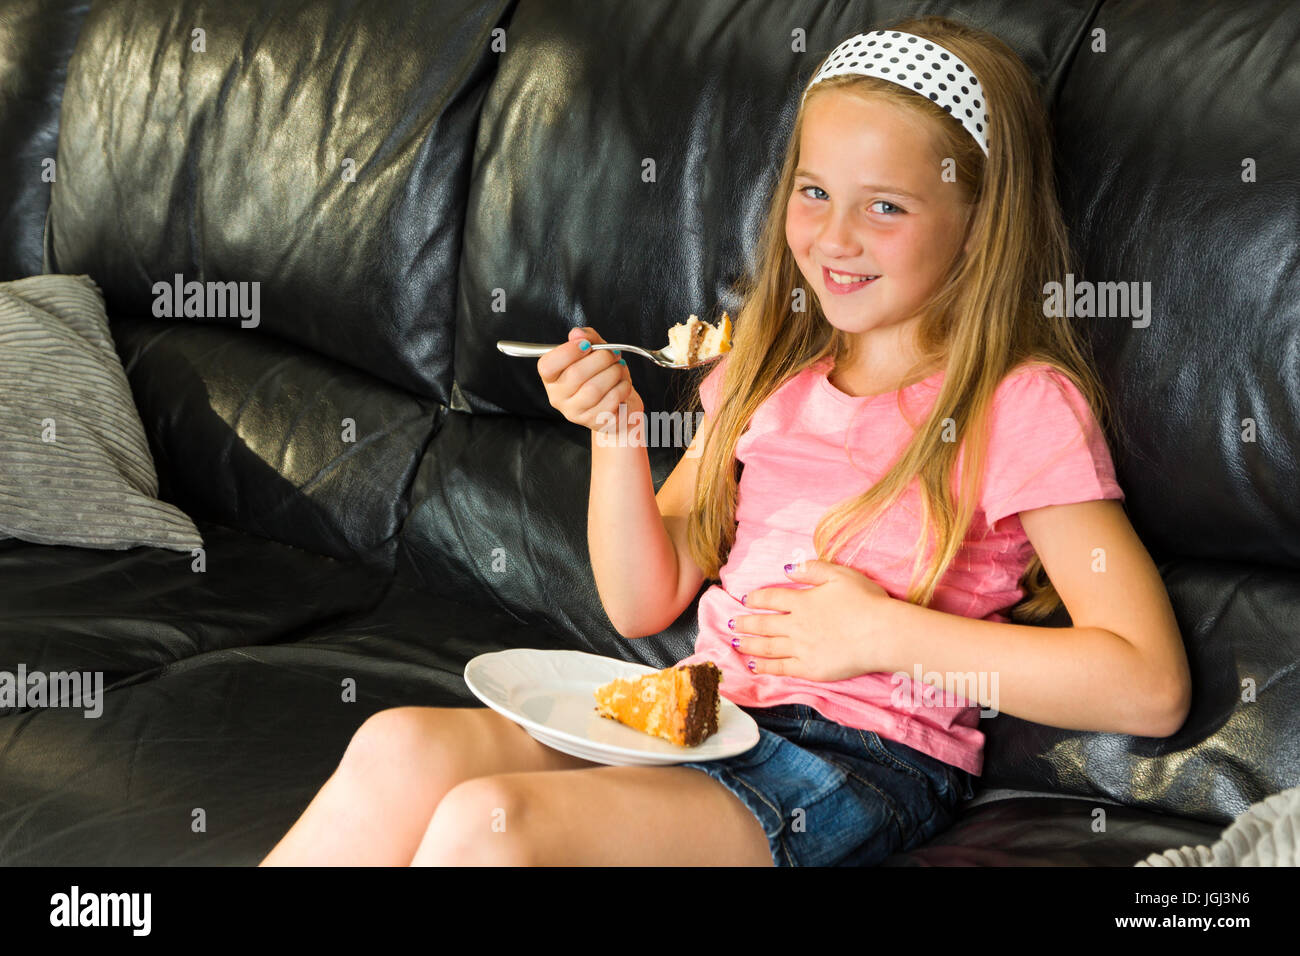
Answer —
750 665
735 642
789 568
743 596
732 624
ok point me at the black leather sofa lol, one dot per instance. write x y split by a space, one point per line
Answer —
412 180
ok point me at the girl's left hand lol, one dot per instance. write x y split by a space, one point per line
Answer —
841 627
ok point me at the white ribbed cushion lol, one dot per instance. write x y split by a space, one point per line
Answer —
95 485
1265 834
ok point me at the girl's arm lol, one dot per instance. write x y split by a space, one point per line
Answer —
1120 669
637 541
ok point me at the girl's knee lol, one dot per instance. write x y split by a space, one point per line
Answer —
480 822
387 738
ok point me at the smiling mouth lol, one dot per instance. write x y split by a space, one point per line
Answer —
845 280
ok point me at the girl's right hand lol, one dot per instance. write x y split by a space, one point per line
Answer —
582 384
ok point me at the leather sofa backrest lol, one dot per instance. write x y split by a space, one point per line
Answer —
36 39
324 157
1178 148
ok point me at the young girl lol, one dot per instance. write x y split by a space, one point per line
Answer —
917 442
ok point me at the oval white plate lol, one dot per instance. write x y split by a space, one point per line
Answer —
551 695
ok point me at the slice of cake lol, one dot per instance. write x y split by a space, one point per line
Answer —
695 341
679 704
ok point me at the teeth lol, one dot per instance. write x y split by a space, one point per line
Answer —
843 279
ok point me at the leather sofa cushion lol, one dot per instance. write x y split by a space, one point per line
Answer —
130 614
499 516
256 433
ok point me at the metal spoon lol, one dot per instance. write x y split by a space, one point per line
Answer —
535 349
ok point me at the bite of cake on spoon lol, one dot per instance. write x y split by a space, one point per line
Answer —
695 340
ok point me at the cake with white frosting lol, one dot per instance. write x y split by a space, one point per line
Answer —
695 341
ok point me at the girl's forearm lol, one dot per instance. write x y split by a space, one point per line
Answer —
632 556
1080 678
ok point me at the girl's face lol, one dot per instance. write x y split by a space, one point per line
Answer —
870 199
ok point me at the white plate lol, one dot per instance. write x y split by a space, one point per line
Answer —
551 695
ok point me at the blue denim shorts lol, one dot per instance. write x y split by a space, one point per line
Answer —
830 795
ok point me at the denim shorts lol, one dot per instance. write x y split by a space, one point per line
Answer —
830 795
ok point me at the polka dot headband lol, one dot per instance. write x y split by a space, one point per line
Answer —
918 64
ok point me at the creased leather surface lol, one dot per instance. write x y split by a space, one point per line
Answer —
1152 138
128 613
319 149
499 516
248 734
256 433
36 39
1241 740
1051 831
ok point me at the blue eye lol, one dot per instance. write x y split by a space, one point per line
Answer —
896 208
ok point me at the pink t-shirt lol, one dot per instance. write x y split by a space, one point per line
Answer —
1045 448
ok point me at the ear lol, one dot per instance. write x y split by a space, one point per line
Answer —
970 214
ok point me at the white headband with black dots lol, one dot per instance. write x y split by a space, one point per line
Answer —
917 64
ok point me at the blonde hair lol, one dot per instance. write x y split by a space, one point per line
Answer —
984 321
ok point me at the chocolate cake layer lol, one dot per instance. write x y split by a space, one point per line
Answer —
698 331
702 712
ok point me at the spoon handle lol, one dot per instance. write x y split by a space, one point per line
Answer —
523 349
534 349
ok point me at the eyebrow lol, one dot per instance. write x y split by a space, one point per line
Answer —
874 187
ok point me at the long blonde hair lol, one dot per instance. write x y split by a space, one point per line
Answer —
984 321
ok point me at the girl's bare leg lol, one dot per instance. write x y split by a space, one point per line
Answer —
375 808
603 816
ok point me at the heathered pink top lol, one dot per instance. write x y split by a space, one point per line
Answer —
1045 448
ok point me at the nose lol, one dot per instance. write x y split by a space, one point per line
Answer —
838 239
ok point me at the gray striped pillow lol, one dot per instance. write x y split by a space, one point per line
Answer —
75 467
